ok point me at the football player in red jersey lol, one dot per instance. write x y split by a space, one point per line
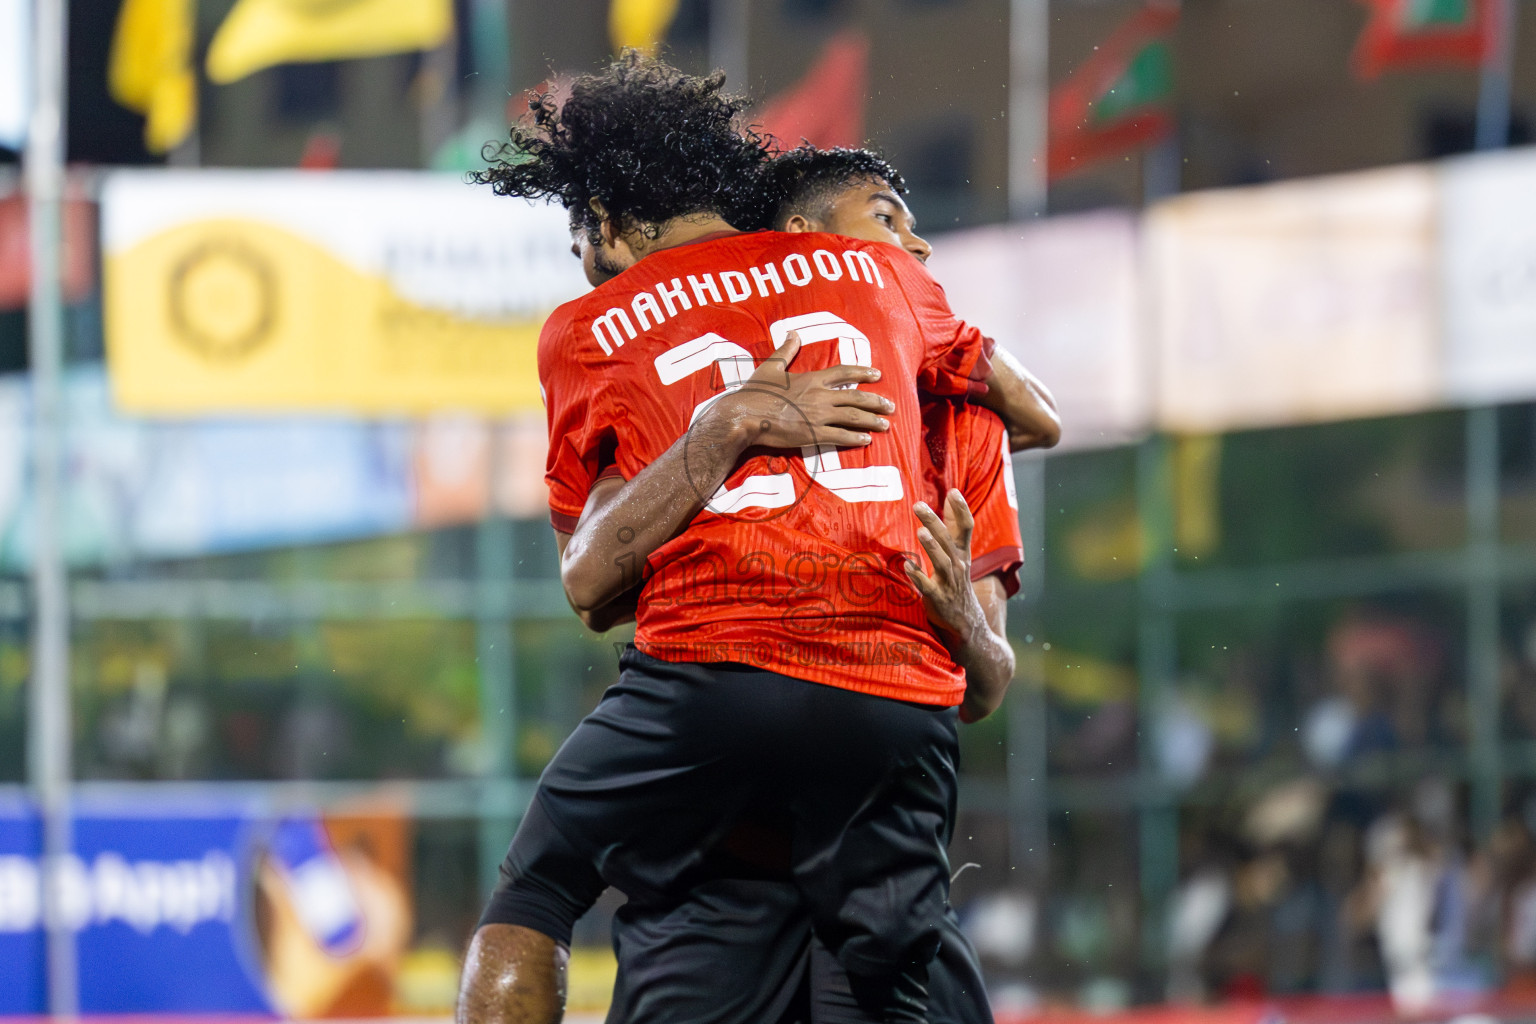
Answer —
767 574
856 193
668 954
683 948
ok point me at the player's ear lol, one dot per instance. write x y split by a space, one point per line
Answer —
798 224
605 225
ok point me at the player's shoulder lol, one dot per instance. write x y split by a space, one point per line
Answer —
560 348
570 315
909 273
556 327
776 244
748 248
886 253
724 247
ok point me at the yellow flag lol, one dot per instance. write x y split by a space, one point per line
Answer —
150 68
1197 494
260 33
640 24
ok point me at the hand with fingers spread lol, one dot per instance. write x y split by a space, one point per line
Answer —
776 408
947 594
967 615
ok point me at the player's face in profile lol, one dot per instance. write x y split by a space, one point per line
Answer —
583 249
600 264
872 211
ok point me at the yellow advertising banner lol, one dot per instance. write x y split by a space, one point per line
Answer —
372 293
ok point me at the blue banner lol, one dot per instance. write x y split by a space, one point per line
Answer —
22 981
159 906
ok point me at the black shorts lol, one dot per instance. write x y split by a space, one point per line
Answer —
755 935
677 754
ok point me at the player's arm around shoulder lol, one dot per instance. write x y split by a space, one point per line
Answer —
971 617
1023 402
1025 405
616 612
625 521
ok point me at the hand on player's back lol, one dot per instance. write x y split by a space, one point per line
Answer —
776 408
948 595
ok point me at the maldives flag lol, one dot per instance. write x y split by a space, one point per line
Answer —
826 107
1424 34
1118 100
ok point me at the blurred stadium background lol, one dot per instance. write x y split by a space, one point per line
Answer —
280 617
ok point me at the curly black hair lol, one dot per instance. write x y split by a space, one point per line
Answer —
646 140
805 180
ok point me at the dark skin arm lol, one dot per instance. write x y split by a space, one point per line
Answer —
986 686
512 975
971 617
622 608
627 520
1023 404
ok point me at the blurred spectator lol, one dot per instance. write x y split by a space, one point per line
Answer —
1094 740
155 730
1200 905
1519 679
1183 740
1512 878
1348 960
1003 926
1384 673
1402 890
1418 891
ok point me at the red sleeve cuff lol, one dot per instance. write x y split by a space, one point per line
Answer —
566 523
977 386
1005 562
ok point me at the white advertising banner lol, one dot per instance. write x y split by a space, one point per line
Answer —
1062 296
1297 302
15 71
1488 268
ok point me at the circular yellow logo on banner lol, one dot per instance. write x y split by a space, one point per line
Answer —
223 299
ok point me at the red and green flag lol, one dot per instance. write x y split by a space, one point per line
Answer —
1120 99
1424 34
826 107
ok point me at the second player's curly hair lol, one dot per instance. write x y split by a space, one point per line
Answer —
646 140
806 179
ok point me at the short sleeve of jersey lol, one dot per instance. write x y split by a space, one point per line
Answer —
580 446
986 480
957 358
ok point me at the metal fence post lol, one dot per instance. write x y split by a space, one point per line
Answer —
48 739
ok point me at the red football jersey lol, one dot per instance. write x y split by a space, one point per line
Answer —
796 562
968 450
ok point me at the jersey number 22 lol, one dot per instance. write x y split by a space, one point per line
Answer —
823 462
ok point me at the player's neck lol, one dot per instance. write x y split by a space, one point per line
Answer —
679 231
